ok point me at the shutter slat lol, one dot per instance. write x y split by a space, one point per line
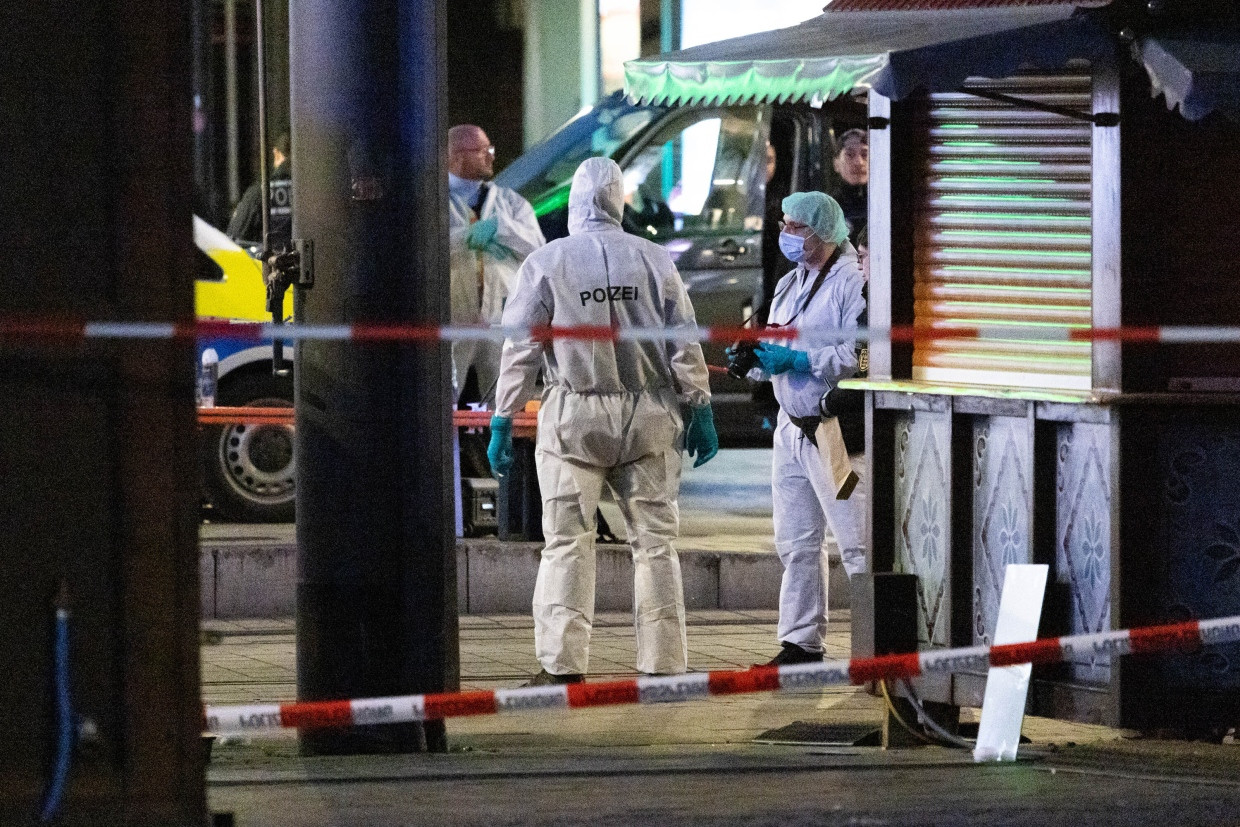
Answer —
1043 205
1042 239
1003 313
995 257
956 291
1009 167
956 274
1034 133
983 221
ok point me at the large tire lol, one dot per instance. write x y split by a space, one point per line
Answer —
251 469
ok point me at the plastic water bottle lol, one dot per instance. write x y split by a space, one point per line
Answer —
208 375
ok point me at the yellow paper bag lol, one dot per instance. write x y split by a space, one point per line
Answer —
835 457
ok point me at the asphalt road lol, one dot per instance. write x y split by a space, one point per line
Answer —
745 785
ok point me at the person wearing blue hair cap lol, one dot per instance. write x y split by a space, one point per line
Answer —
823 292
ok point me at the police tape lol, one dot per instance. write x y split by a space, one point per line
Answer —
252 718
286 416
61 331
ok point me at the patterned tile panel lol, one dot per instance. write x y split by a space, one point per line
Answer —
1002 518
1083 534
1198 466
923 516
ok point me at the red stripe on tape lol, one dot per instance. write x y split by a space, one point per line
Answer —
887 667
607 693
903 333
757 679
456 704
394 333
41 328
751 334
923 333
589 332
1112 334
1046 650
1184 637
316 714
220 328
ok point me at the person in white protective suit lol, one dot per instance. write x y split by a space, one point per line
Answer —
492 229
611 414
823 292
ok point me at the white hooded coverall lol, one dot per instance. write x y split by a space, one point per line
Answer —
610 414
519 234
801 490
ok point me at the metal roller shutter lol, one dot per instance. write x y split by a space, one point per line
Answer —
1003 234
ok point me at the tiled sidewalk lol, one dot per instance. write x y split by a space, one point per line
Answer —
253 661
247 661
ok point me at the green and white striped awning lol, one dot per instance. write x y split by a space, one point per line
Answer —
839 52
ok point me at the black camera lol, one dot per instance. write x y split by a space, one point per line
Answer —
743 357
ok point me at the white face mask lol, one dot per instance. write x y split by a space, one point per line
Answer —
792 246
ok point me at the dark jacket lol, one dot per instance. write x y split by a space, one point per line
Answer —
247 218
852 201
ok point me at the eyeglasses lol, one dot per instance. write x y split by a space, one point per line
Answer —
795 228
489 150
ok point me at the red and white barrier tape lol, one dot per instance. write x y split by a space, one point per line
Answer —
693 686
67 331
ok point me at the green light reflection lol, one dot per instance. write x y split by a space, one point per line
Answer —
1030 360
989 162
995 179
1067 291
1016 215
1013 323
1017 234
997 197
1009 305
1034 253
999 268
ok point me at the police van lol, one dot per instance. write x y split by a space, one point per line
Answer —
249 470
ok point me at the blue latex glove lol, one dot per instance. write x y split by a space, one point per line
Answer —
499 452
482 233
700 435
777 359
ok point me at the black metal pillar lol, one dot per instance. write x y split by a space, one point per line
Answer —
376 602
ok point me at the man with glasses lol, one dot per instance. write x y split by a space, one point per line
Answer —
492 230
823 293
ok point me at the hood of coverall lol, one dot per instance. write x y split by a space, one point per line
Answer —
596 199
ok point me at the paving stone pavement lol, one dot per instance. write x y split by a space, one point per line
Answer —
253 661
712 761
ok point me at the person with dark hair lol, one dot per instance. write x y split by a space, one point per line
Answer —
851 162
247 219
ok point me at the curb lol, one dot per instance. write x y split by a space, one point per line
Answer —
255 577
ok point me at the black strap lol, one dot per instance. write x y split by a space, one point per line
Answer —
813 290
808 425
482 199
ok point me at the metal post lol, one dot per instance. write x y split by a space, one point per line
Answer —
231 115
260 73
376 600
670 20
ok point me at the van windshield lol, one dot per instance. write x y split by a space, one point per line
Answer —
542 174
